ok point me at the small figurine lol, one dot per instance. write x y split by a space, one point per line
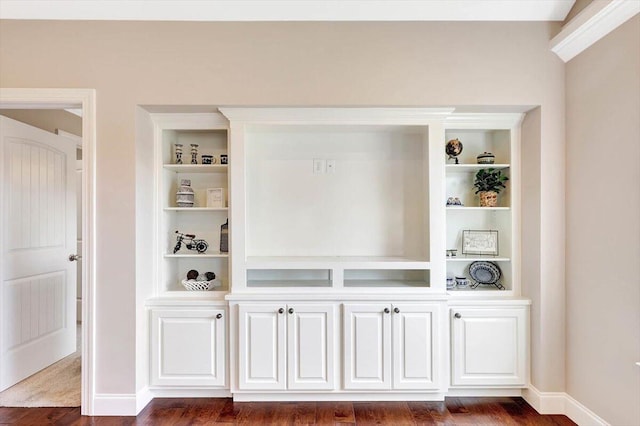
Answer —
454 201
191 243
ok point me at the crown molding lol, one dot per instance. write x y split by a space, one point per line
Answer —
339 115
287 10
593 23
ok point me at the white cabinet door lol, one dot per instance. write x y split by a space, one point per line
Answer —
416 332
311 356
261 347
367 346
489 346
188 347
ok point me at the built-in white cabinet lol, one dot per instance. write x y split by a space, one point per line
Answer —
489 346
286 346
340 245
188 347
391 346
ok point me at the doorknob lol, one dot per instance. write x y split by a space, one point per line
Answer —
74 257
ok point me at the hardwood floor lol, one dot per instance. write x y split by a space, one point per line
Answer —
223 411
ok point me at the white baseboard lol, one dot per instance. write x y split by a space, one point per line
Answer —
478 392
581 414
112 404
545 402
143 397
158 392
562 403
335 396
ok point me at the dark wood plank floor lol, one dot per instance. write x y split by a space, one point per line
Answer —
223 411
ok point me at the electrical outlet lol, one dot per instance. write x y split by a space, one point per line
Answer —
319 166
331 166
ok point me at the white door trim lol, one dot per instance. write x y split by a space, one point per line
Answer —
14 98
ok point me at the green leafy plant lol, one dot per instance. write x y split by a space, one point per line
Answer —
490 180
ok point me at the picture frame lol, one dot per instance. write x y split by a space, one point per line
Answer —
215 197
480 242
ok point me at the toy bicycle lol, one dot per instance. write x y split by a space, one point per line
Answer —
190 243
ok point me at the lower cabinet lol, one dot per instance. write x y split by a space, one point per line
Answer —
489 346
188 347
392 346
286 346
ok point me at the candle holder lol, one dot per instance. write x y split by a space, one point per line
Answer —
177 150
194 153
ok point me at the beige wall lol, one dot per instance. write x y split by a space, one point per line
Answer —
603 229
577 8
47 119
377 64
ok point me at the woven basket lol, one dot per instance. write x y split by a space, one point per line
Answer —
194 285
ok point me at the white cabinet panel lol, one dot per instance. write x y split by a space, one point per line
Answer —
188 347
261 347
489 346
367 346
416 330
310 332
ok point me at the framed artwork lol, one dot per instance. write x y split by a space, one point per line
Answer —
480 242
215 197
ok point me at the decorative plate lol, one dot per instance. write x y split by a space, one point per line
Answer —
485 272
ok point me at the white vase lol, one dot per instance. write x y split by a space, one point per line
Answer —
185 196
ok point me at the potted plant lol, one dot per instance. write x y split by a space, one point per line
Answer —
488 183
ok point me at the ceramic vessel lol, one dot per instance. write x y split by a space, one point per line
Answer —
462 282
486 158
488 198
185 196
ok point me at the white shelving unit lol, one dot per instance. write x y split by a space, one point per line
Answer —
210 132
335 284
500 135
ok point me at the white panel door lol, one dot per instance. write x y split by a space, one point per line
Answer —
367 346
188 347
416 330
310 338
261 347
489 346
37 235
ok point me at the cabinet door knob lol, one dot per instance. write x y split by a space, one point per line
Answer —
457 315
396 310
219 316
386 310
281 311
291 310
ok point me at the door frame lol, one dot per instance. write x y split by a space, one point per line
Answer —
22 98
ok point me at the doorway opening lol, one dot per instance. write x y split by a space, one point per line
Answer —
48 245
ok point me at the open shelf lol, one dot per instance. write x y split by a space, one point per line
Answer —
196 168
469 168
475 258
289 283
197 256
196 209
477 208
327 262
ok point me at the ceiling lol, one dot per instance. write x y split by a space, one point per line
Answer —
288 10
